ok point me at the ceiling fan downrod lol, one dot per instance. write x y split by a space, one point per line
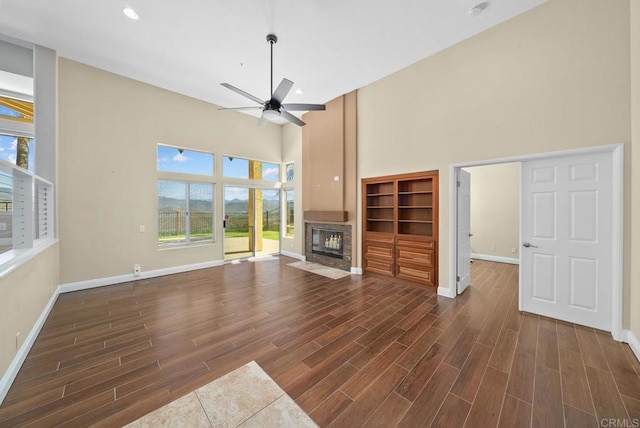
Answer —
272 39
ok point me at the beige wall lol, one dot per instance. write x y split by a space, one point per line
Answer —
329 150
495 210
109 128
635 156
323 158
292 152
556 77
25 292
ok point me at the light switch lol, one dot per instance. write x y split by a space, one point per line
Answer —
336 178
142 228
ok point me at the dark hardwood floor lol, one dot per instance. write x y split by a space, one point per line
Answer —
367 350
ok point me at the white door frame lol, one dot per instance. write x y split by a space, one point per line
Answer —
617 226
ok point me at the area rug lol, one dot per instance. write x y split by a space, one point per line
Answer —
318 269
246 397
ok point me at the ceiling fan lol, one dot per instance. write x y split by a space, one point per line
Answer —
273 107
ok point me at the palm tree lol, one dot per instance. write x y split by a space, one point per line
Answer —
22 158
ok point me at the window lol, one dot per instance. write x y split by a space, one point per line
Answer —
290 216
17 150
180 160
270 171
185 212
250 169
289 172
26 199
185 208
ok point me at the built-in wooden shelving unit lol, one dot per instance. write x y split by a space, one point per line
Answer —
400 218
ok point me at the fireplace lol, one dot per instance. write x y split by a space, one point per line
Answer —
328 244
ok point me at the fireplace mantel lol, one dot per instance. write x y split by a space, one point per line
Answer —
332 216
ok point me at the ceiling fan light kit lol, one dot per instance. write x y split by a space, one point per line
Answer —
273 108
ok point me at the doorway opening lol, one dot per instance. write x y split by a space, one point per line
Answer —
614 278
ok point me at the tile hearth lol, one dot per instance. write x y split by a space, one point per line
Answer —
318 269
246 397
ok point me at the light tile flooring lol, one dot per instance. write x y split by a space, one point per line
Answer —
318 269
246 397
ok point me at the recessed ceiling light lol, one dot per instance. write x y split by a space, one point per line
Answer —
478 9
130 13
299 91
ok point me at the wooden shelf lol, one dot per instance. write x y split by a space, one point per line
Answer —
401 225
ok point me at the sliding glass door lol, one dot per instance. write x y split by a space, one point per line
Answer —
252 222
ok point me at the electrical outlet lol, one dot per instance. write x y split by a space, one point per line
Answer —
136 269
514 250
142 228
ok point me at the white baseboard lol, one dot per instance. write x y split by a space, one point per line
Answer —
293 255
498 259
356 271
447 292
101 282
13 369
632 340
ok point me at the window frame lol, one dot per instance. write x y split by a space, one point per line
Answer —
187 224
187 179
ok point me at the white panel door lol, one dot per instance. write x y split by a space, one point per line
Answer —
566 217
464 233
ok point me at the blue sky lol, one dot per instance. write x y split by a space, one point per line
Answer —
190 162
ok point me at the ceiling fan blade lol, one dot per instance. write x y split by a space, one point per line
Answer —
263 121
282 90
241 108
291 118
243 93
303 107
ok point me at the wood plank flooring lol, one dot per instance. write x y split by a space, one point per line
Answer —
359 351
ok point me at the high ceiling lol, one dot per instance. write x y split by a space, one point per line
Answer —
327 47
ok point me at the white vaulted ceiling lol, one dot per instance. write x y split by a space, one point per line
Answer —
327 47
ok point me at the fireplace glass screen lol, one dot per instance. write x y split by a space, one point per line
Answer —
327 243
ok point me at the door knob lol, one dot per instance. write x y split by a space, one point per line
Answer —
471 234
527 245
